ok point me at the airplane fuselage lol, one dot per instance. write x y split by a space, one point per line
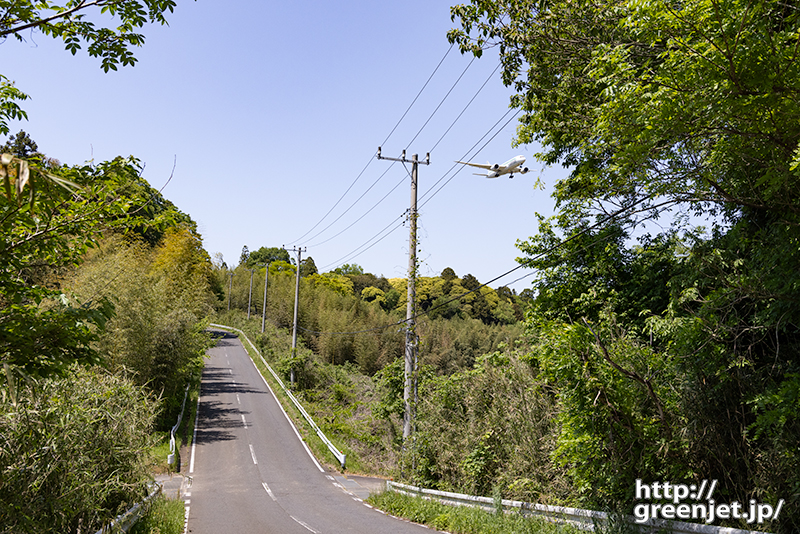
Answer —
510 167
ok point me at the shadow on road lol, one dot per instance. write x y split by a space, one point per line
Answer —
219 415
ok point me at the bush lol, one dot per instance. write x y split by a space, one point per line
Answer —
72 452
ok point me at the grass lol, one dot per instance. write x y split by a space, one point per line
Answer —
461 520
164 516
157 455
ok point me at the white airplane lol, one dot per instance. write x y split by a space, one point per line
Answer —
493 171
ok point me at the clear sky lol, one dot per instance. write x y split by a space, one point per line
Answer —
269 111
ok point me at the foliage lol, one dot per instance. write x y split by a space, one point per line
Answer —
49 218
9 109
266 255
491 426
21 146
694 102
340 327
349 269
654 105
69 22
162 297
112 44
597 269
72 453
461 520
163 516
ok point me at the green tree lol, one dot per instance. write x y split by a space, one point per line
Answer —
693 103
21 146
73 452
308 267
48 220
349 268
111 42
266 255
653 105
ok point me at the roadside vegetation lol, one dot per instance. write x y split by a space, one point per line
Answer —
659 352
462 520
106 291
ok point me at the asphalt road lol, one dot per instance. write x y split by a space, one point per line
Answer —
252 473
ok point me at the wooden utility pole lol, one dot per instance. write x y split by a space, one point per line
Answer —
411 364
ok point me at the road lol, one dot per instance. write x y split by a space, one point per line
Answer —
250 470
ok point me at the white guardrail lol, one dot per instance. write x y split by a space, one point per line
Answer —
171 457
341 457
582 519
124 522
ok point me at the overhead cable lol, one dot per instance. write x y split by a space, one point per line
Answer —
525 263
371 157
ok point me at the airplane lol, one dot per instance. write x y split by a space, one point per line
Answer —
493 171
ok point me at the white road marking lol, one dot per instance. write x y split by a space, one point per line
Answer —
303 524
253 454
244 422
269 492
297 433
238 400
194 435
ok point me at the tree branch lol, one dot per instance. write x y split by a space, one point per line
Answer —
62 14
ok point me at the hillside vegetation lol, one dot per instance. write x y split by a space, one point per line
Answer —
104 289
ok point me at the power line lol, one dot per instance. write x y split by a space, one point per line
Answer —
525 263
384 173
366 213
440 103
418 94
353 254
466 154
356 252
351 207
384 142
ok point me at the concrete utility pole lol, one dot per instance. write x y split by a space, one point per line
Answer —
230 285
264 308
410 374
250 295
296 306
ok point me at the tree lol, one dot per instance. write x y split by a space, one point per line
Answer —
111 43
349 268
244 256
694 103
266 255
653 105
308 267
69 22
21 146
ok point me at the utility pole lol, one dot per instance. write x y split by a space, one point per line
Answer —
410 374
264 308
230 285
250 296
296 305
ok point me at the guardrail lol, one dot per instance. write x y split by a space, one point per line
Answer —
341 457
124 522
171 457
582 519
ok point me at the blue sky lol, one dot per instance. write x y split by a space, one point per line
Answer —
270 110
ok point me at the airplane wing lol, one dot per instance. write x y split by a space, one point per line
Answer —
486 166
